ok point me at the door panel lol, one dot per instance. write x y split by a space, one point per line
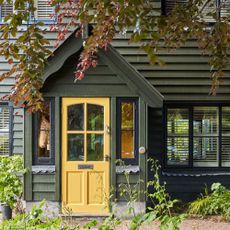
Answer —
74 193
85 143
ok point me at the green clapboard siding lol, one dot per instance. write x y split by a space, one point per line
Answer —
43 187
122 181
99 81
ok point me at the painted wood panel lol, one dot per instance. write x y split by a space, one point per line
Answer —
43 187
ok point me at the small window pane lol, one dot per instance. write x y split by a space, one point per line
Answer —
127 140
95 147
177 132
127 130
6 9
205 120
4 119
4 143
225 136
225 120
177 122
95 117
127 115
76 117
75 147
177 151
44 10
205 152
44 132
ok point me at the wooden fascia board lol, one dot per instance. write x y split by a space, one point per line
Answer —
68 48
135 81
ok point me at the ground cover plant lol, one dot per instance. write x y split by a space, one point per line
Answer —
215 203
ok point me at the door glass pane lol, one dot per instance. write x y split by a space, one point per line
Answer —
75 147
127 130
95 117
225 136
76 117
95 147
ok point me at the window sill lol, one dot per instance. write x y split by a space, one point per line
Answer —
127 169
195 174
43 169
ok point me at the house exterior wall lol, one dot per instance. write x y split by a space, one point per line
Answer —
185 77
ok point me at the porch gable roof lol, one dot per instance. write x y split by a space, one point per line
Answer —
125 71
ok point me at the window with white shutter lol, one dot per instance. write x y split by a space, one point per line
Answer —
6 9
43 12
209 8
4 130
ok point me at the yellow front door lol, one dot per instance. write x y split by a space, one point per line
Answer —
85 155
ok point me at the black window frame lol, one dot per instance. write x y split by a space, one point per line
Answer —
11 124
135 160
38 160
189 105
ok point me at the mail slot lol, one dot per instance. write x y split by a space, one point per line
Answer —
85 166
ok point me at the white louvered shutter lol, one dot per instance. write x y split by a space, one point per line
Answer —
6 9
4 130
225 8
44 10
208 9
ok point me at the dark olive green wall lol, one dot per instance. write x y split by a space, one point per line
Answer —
178 184
44 187
185 75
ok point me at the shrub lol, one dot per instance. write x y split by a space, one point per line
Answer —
32 221
215 203
10 183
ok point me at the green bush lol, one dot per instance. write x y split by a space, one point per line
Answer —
11 185
32 221
215 203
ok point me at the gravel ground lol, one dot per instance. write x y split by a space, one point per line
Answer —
213 223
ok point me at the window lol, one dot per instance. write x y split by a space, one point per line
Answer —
43 12
208 8
44 135
5 130
198 136
127 132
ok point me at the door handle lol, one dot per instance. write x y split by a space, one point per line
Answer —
107 129
107 157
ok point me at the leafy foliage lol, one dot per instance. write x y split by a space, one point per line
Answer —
10 183
216 203
161 205
27 54
110 223
33 220
129 192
